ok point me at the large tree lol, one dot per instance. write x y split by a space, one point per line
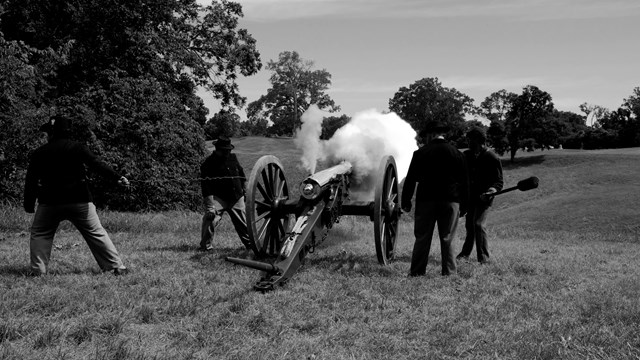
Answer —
496 106
528 113
426 100
176 42
132 67
294 87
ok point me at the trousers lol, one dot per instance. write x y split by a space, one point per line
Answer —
475 224
427 215
85 218
214 207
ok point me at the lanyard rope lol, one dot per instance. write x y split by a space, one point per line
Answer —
187 179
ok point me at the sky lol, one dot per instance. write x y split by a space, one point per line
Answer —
579 51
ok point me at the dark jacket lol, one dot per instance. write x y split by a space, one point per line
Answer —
226 178
440 172
485 171
57 174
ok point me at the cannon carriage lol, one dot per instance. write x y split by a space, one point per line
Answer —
283 230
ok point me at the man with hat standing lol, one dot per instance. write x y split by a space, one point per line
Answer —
223 188
485 176
439 170
56 177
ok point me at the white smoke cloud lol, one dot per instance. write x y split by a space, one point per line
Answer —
364 141
308 137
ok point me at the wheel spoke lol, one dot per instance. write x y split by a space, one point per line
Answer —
272 246
281 190
281 231
273 235
266 190
392 229
391 242
393 198
271 169
262 206
263 192
275 181
391 186
267 239
262 216
263 228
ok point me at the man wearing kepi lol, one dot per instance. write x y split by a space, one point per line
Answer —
223 188
485 176
56 177
438 169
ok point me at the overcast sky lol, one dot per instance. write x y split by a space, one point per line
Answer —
576 50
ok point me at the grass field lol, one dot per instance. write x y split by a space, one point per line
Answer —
564 283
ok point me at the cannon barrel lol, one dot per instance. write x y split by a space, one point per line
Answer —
317 183
325 176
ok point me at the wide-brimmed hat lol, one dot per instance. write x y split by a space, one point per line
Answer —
223 142
57 125
434 127
477 133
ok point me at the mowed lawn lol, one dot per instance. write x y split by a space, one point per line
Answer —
564 282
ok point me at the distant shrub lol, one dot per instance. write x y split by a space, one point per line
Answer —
137 126
146 135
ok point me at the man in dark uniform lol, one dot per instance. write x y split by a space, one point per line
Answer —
223 189
438 169
485 176
56 177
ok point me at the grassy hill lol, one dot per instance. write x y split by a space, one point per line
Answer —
579 191
564 283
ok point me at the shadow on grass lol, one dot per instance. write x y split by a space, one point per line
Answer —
521 162
220 253
15 270
178 248
367 265
61 270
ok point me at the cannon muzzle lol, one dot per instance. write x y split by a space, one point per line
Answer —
258 265
523 185
314 185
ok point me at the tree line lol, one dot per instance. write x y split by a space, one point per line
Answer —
127 72
527 121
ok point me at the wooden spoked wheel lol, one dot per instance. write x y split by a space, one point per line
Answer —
386 212
267 192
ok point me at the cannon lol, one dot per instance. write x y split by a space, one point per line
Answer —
285 230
